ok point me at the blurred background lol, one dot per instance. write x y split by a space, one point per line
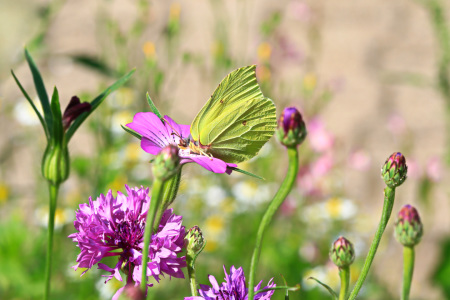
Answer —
370 77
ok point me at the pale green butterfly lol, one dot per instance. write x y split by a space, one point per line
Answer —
236 121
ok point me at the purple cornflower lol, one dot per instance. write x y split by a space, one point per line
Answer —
156 135
234 288
114 226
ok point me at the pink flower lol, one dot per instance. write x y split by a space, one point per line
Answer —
320 139
156 135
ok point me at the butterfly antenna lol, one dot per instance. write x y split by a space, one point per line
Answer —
175 131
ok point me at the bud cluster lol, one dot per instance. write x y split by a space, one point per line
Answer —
166 163
394 170
291 130
342 252
408 227
194 241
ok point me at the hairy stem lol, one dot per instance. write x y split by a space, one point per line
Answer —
408 269
277 200
170 191
190 261
389 195
53 191
157 193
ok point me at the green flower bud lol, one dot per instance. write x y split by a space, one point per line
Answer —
394 170
55 163
291 130
408 227
166 163
194 241
342 252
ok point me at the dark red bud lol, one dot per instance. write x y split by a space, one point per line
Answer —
73 110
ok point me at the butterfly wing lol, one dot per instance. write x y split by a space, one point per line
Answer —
237 120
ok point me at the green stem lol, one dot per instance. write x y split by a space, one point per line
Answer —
190 261
389 195
344 274
170 191
157 193
408 269
277 200
53 190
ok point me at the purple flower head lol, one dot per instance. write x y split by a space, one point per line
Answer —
234 288
114 226
156 135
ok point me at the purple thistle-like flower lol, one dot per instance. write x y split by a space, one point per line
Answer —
114 226
234 288
156 135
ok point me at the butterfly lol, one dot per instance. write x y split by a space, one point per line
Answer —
235 122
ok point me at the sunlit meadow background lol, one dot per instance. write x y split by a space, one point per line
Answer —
362 73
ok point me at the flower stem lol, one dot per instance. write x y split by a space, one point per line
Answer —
277 200
170 191
408 269
389 196
344 274
190 261
157 193
53 191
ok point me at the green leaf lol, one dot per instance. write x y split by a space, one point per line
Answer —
280 287
95 64
245 172
132 132
95 103
41 119
58 131
153 107
41 91
286 297
329 289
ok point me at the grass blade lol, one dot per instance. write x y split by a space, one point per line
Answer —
58 130
41 91
41 119
153 107
95 103
132 132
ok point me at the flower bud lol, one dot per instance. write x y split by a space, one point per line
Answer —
291 130
342 252
55 163
194 241
394 170
408 227
166 163
73 110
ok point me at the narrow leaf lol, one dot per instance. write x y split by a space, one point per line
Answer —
41 119
95 64
280 287
245 172
95 103
41 91
286 297
132 132
329 289
153 108
57 116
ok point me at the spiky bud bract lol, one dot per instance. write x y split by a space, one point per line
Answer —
408 227
394 170
194 241
342 252
291 130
